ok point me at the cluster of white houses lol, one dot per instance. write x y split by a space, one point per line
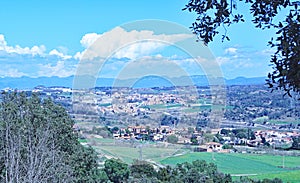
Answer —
274 138
137 132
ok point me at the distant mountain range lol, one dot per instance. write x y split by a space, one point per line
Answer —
146 82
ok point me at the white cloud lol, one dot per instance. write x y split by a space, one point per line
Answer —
60 70
130 44
11 72
136 44
136 50
17 61
267 52
231 50
35 50
38 50
88 39
223 60
244 64
2 42
78 55
61 55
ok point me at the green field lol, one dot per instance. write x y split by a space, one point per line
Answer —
199 107
162 106
128 153
255 166
288 176
278 122
285 122
252 165
104 104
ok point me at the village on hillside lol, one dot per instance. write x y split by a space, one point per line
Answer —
176 115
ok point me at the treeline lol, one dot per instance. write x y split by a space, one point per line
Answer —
198 171
38 144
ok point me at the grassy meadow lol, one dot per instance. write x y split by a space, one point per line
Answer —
255 166
129 152
251 165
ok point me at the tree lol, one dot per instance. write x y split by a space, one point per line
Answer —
276 180
208 137
116 170
164 174
227 146
102 177
225 132
197 171
241 135
85 165
213 14
38 143
173 139
296 143
218 138
141 169
194 140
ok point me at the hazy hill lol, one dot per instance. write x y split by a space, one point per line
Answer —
150 81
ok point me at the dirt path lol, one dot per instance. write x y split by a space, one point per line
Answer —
240 175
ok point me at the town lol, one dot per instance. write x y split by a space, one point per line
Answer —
251 116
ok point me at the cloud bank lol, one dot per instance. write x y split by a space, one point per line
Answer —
37 61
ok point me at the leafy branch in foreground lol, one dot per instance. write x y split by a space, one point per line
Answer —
212 14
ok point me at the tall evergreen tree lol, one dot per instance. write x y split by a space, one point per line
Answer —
38 143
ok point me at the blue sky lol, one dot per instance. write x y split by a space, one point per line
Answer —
47 38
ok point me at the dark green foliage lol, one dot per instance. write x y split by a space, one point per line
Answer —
225 132
296 143
194 140
116 170
218 138
213 14
172 139
240 133
165 174
114 129
38 143
105 132
276 180
141 169
84 162
286 60
198 171
227 146
169 120
144 180
245 180
102 177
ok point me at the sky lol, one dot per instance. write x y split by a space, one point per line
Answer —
50 38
